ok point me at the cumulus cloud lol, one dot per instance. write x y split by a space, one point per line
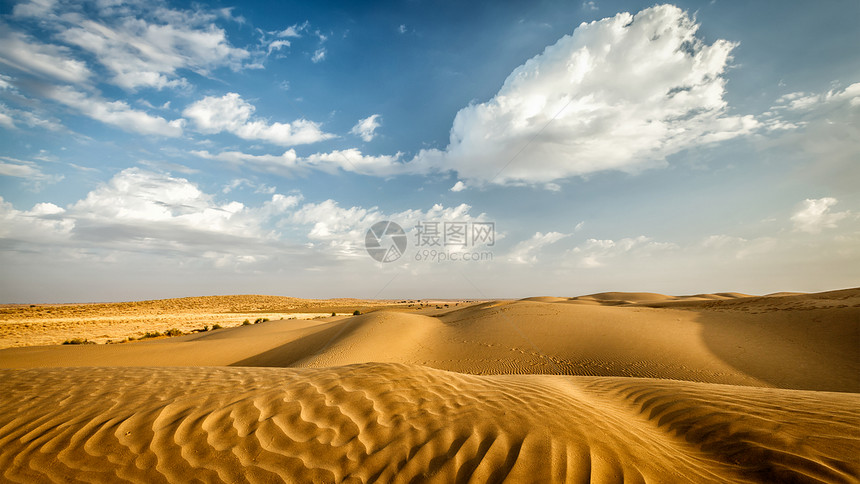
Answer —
366 128
621 93
45 60
232 114
141 45
814 215
340 231
288 163
458 187
117 113
140 210
526 251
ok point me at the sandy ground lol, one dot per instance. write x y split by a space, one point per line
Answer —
47 324
614 387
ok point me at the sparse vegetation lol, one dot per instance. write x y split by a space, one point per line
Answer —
151 334
356 312
246 323
260 320
173 332
78 341
333 314
216 326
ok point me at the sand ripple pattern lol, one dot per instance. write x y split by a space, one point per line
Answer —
401 423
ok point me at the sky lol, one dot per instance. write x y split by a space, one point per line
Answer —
165 149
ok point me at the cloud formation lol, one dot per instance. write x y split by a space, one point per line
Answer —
45 60
290 164
621 93
366 128
141 46
117 113
232 114
814 215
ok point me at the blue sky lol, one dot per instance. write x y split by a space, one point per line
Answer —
166 149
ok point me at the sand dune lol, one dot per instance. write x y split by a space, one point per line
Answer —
381 422
614 387
808 342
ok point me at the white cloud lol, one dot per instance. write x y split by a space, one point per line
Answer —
319 55
822 127
294 30
44 224
525 252
814 215
232 114
366 128
140 209
589 5
277 45
341 231
143 45
117 113
30 172
6 120
288 163
622 93
29 55
597 252
402 28
458 187
34 8
11 118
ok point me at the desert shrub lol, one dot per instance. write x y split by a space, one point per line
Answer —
356 312
260 320
78 341
216 326
173 332
246 323
333 314
151 334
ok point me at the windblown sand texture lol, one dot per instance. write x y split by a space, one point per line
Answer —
614 387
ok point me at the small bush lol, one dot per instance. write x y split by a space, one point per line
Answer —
333 314
173 332
78 341
260 320
151 334
356 312
246 323
216 326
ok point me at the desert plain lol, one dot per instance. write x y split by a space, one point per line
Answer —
610 387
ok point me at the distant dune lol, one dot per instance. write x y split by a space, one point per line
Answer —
610 387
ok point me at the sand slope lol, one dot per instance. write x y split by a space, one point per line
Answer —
805 342
384 422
